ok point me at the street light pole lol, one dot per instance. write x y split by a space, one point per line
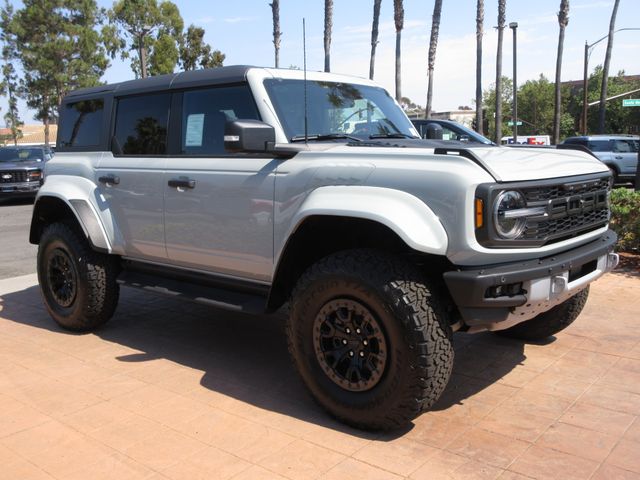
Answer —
585 87
514 26
585 82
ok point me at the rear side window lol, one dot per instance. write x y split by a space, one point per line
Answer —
600 145
205 112
81 123
141 125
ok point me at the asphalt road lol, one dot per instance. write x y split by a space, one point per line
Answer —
17 255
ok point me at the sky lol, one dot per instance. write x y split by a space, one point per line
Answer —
243 31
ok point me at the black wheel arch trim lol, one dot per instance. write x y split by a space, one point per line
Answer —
83 214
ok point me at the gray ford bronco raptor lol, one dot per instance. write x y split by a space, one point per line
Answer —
248 188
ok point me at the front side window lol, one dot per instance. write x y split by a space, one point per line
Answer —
205 112
141 125
81 123
335 108
625 146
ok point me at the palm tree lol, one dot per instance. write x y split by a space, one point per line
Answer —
328 23
374 36
398 17
275 8
479 33
433 44
605 69
502 9
563 20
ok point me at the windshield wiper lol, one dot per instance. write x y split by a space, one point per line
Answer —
391 135
327 136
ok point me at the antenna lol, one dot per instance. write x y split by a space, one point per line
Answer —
304 53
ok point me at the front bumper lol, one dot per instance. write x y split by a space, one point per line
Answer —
23 188
498 297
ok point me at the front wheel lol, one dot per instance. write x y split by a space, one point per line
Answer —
550 322
78 285
370 339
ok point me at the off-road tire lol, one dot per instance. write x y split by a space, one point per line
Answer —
550 322
95 294
417 333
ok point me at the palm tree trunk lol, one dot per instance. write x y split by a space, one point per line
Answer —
563 20
605 69
398 17
502 7
479 33
433 45
328 23
374 36
275 9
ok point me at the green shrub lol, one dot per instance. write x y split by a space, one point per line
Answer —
625 218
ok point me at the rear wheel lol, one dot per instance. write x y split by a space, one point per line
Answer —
550 322
369 338
78 285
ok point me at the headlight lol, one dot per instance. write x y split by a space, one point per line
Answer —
34 175
509 226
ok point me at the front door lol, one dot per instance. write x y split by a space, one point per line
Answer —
218 207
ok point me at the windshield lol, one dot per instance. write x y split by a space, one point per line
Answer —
451 131
11 154
337 110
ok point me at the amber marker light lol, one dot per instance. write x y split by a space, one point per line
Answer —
479 213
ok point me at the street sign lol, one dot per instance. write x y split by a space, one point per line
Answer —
510 123
631 102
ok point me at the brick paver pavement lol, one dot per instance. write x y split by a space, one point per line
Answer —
179 391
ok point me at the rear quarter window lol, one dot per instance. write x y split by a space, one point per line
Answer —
81 123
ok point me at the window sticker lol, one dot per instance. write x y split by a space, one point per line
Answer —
195 125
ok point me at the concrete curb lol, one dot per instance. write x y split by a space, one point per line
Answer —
15 284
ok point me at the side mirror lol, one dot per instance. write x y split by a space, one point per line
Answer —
434 131
248 136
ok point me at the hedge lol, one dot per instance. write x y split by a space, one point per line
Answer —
625 219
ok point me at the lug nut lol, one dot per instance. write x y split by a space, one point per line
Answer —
362 354
344 342
351 354
348 330
364 342
357 330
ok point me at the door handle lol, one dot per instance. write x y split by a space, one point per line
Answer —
182 183
618 157
109 179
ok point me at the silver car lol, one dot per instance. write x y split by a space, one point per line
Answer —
618 152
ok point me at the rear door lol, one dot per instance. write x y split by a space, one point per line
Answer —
625 154
130 176
218 206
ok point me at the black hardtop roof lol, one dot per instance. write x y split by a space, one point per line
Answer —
192 78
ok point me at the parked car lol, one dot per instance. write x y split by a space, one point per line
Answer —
618 152
225 187
21 170
450 131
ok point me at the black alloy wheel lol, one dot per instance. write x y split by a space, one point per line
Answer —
350 345
63 278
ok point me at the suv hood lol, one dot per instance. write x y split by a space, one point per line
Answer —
512 164
505 164
21 165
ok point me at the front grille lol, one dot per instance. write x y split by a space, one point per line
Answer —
571 209
13 176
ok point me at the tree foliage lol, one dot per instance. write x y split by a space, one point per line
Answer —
9 84
152 29
61 49
195 53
